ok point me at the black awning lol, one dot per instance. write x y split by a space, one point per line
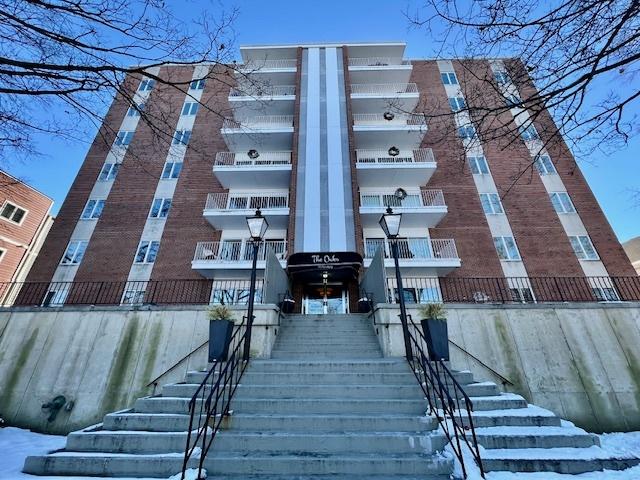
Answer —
309 266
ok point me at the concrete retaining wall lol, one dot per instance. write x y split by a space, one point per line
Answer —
101 358
581 361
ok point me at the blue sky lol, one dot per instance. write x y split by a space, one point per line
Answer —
612 177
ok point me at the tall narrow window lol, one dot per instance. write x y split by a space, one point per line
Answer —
134 110
146 85
109 172
512 100
491 203
457 103
449 78
124 138
190 108
561 202
467 132
197 84
147 251
583 247
544 165
92 210
75 252
181 137
12 212
478 165
160 208
501 77
528 133
506 248
171 170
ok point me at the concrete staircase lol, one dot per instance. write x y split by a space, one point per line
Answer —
326 405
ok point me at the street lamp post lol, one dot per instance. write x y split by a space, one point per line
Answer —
390 224
257 228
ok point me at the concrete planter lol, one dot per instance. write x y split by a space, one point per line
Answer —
220 332
437 335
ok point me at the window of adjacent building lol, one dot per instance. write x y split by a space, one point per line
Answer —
197 84
449 78
134 110
522 295
467 131
491 203
92 210
146 85
181 137
147 251
133 297
109 172
506 248
171 170
561 202
190 108
478 165
583 247
124 138
75 252
528 133
544 165
512 100
605 294
501 77
160 208
457 103
12 212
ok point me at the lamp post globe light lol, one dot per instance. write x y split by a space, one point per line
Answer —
258 226
390 224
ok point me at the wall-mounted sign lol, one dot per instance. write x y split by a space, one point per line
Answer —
341 264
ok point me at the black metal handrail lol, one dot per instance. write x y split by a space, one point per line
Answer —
447 400
210 404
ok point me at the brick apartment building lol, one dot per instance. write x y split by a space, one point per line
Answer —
24 224
330 136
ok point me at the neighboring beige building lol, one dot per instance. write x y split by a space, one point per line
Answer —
632 247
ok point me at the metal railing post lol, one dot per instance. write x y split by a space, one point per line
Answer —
403 309
252 293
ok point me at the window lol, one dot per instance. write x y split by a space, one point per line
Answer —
160 208
522 295
133 297
146 85
147 251
2 252
501 77
134 110
13 213
109 172
172 170
197 84
506 248
190 108
124 138
544 165
512 100
457 103
181 137
449 78
561 202
605 294
479 165
75 252
491 203
467 132
583 247
92 210
528 133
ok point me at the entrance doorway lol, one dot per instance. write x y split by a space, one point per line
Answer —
323 299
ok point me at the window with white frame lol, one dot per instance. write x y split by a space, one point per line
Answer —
133 297
561 202
147 251
467 132
529 132
491 203
160 208
146 85
457 103
478 165
124 138
583 247
181 137
92 210
544 165
189 108
605 294
522 294
74 253
449 78
109 172
197 84
12 212
134 110
506 248
171 170
501 77
512 100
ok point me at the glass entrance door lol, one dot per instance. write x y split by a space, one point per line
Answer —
325 299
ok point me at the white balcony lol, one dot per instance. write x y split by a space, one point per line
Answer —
258 99
379 97
229 210
264 132
420 208
374 131
239 170
376 168
422 256
230 258
379 69
277 71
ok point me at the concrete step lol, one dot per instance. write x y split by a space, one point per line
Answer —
335 348
336 405
505 401
333 378
531 416
130 442
326 355
146 422
324 366
326 344
535 437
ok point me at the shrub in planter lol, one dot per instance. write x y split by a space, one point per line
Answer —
434 327
220 331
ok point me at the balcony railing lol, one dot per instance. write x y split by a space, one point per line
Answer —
244 201
421 155
424 198
232 159
375 119
282 63
414 248
265 91
383 88
259 122
227 251
377 62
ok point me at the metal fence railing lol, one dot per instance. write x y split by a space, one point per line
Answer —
263 91
382 120
413 199
275 64
226 251
234 159
414 248
259 122
244 201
